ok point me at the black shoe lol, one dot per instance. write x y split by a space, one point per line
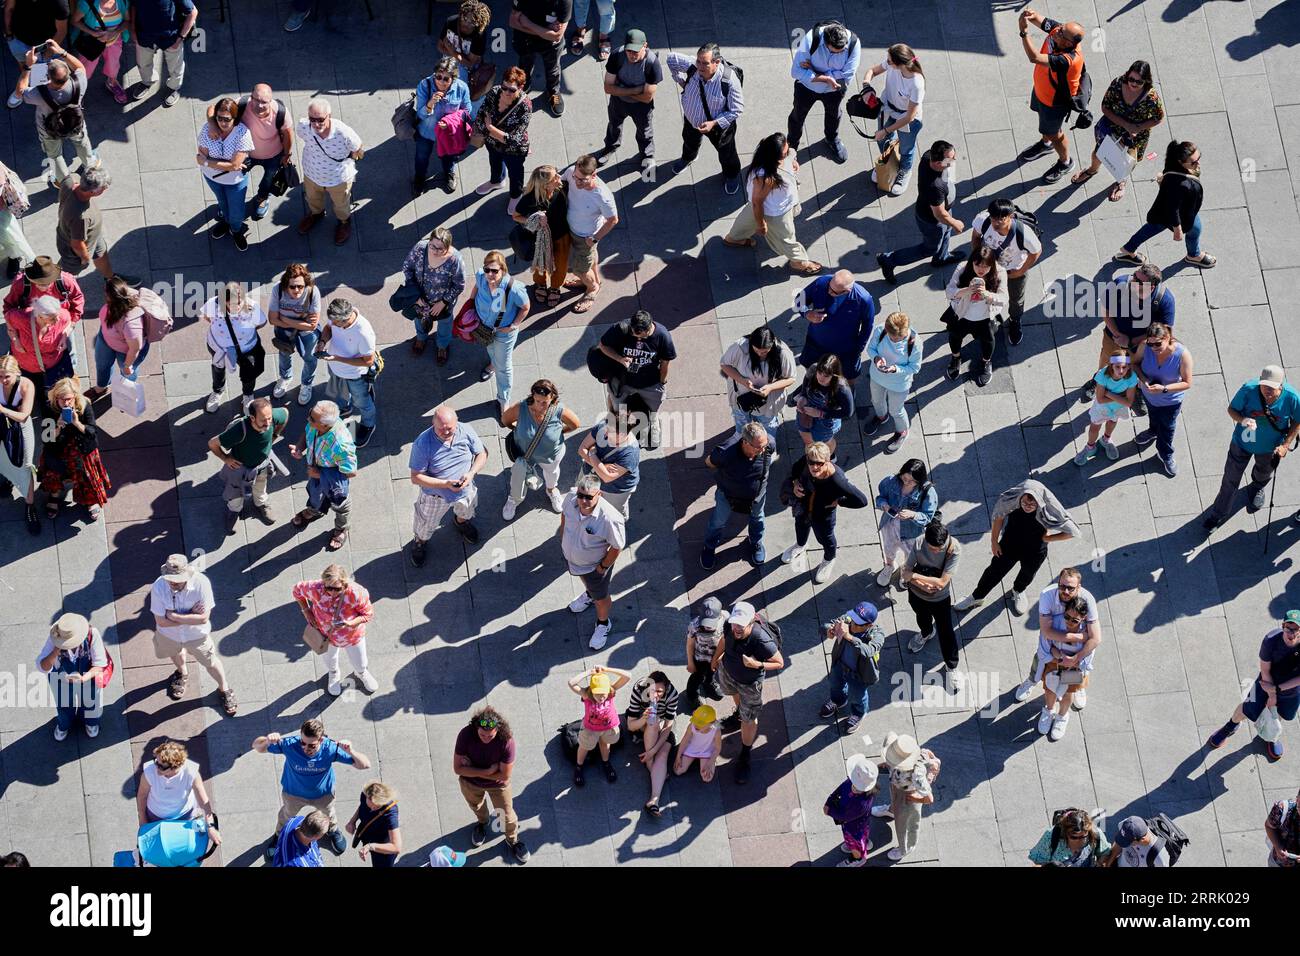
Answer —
1089 390
1257 500
828 710
742 768
1058 170
610 773
240 240
557 105
838 150
713 693
947 260
364 433
1139 405
33 520
984 375
417 186
602 155
448 183
1212 521
887 268
757 555
478 835
418 554
1015 335
232 521
579 780
679 166
220 229
954 368
1144 437
1037 151
708 559
731 724
869 428
466 530
519 851
139 91
486 372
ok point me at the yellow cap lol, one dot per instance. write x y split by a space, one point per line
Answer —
703 716
599 684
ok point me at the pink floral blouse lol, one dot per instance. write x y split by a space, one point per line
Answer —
328 609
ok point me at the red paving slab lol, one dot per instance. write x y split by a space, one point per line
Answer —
134 629
151 714
676 292
118 430
772 849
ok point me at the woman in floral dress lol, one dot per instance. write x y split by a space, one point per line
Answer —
1131 108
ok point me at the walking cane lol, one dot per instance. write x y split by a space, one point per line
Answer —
1272 486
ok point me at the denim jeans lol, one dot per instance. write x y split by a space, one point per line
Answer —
1164 421
356 392
500 163
605 8
442 335
501 354
906 137
305 345
105 356
770 425
823 528
269 168
1191 237
934 243
424 150
73 700
847 689
230 202
722 513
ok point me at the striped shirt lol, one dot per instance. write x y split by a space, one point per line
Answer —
334 449
641 700
723 108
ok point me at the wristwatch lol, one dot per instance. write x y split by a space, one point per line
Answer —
1024 33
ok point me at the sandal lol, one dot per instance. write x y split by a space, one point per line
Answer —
115 88
578 44
440 356
303 518
1082 176
653 809
1118 190
1206 261
809 268
1136 258
229 702
554 297
337 539
573 282
177 685
584 304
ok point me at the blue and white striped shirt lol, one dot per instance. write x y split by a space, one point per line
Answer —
725 109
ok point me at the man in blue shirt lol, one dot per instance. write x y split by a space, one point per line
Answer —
297 844
840 314
742 464
824 66
444 460
307 781
1267 413
161 25
1128 307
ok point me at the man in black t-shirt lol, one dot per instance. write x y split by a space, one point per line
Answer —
645 350
631 77
539 27
933 217
746 652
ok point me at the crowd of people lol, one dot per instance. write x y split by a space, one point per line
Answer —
560 218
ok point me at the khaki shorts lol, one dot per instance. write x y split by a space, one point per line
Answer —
590 739
291 806
581 256
203 651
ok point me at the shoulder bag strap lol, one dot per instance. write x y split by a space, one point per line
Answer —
321 147
36 343
366 826
234 339
704 97
537 434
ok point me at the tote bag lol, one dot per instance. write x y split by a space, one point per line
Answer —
128 396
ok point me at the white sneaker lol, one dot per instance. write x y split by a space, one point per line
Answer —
953 681
304 395
1058 726
282 386
533 482
488 187
508 509
246 401
580 603
873 175
884 576
1045 717
598 637
556 499
1018 602
1022 691
967 603
335 686
92 730
918 641
368 682
213 403
823 572
896 854
60 734
792 553
1079 700
882 812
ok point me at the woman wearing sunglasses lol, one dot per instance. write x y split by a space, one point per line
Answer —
442 107
224 144
539 425
501 305
1131 109
502 125
484 759
339 609
1073 840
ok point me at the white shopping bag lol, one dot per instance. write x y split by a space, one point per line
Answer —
128 396
1119 162
1269 725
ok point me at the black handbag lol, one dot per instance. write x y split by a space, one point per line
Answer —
523 242
251 363
750 401
90 47
285 178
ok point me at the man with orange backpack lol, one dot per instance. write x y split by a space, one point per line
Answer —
1061 85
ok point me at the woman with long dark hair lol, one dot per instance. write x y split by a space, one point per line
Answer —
294 315
121 337
908 503
927 574
823 401
1177 208
484 759
977 293
761 370
773 204
1131 109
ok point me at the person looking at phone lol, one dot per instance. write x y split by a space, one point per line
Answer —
908 502
444 460
348 346
761 370
28 25
895 355
59 103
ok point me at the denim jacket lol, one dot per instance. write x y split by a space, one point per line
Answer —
891 495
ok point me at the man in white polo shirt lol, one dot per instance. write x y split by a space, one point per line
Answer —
330 150
181 602
592 214
349 348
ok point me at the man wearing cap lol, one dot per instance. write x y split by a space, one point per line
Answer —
1266 411
74 657
912 772
1277 685
824 65
742 464
855 666
1136 845
592 535
181 602
331 465
632 75
701 641
746 652
245 449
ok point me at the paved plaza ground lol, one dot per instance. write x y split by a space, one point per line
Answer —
1181 617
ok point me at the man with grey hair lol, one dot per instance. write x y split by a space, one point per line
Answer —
245 449
331 465
79 235
711 106
330 150
444 460
592 534
742 464
59 114
348 345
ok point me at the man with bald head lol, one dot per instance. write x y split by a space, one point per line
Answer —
444 460
1058 70
840 313
271 126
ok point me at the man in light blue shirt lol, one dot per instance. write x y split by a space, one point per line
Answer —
444 460
824 66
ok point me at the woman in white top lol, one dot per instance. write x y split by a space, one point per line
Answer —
977 292
233 318
172 789
17 438
900 110
773 204
762 372
223 147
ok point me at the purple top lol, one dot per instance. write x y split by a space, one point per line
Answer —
1164 373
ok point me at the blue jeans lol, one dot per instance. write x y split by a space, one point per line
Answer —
722 513
934 243
906 137
446 319
847 689
770 425
354 391
105 356
581 8
501 355
73 700
823 429
269 168
1192 237
305 345
424 150
230 202
1164 420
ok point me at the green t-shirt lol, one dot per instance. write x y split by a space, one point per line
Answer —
249 446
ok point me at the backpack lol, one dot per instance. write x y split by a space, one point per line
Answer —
727 66
157 317
569 736
26 293
66 120
817 29
279 112
1078 102
1169 835
773 629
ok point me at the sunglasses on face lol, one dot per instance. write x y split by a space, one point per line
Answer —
582 497
1133 80
1291 629
492 272
1068 588
487 723
509 89
441 77
542 392
225 119
335 588
296 285
318 120
1072 621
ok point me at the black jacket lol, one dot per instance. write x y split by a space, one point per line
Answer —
821 495
1177 202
